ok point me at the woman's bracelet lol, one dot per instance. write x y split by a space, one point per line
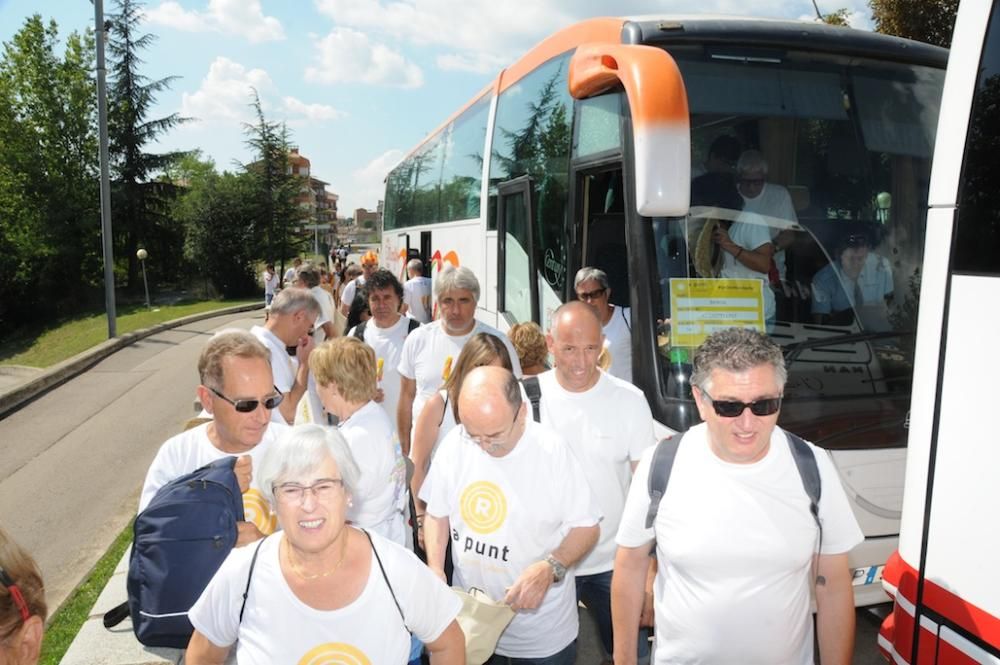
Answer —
737 254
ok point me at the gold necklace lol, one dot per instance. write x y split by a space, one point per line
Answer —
298 571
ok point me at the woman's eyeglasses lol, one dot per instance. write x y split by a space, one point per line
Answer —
293 493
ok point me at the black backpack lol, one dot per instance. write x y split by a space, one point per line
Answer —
179 542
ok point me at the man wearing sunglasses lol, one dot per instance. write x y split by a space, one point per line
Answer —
739 552
237 390
592 287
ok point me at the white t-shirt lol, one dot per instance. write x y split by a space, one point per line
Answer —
774 201
607 427
618 339
277 627
735 544
289 275
749 232
283 366
507 513
417 296
270 283
428 349
380 497
325 301
388 346
192 450
351 290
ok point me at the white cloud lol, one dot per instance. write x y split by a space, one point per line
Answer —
367 186
311 111
478 26
347 55
243 18
477 63
225 92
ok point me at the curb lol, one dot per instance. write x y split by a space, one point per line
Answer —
58 374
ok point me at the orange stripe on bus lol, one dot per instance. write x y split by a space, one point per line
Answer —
649 75
594 30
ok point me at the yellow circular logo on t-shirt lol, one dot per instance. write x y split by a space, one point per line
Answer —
483 507
334 653
257 510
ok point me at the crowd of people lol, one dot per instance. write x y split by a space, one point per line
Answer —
403 455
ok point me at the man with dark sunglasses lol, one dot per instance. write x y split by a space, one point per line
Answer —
739 552
237 390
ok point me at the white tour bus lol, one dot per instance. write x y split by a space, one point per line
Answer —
613 143
945 578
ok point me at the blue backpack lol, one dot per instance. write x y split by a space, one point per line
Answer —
179 541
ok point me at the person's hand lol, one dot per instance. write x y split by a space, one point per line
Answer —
244 472
247 532
646 618
530 588
722 239
304 348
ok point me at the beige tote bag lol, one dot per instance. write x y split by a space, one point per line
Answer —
483 621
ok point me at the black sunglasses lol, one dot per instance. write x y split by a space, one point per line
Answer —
248 405
731 409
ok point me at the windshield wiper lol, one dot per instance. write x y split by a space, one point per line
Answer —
792 351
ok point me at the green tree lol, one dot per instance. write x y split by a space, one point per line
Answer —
49 201
140 201
216 213
930 21
275 188
838 17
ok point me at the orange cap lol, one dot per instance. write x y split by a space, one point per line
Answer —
369 258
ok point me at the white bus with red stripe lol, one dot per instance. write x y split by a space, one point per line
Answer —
582 153
945 577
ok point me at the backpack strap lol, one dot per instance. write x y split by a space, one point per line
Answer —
444 411
253 564
385 577
359 330
534 392
659 474
412 325
805 462
116 615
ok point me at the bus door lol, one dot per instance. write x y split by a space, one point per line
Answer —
601 235
517 289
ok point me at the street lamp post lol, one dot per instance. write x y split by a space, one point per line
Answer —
102 121
142 255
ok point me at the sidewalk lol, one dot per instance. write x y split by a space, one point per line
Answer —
97 645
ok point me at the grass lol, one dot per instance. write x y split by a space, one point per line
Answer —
68 619
45 347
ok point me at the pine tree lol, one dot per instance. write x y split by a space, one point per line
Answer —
140 203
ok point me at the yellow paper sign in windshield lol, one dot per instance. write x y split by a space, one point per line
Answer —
700 307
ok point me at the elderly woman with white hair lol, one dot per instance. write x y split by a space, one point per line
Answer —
320 590
430 350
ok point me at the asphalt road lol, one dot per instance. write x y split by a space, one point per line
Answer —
72 462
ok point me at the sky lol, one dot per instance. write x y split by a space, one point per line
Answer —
358 82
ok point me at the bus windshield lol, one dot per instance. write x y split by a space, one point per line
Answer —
808 199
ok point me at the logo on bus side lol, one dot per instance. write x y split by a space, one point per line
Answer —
555 269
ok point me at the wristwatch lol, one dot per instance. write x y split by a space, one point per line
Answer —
558 569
